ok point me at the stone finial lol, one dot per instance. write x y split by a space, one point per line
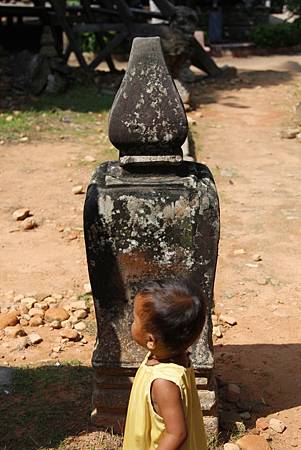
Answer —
148 123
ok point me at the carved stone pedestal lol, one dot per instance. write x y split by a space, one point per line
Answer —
149 216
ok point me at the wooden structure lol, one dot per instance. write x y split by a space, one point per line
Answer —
114 23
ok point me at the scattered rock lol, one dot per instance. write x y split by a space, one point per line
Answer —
24 322
22 343
40 296
8 319
290 133
257 257
66 324
29 224
23 309
87 288
89 158
80 326
253 442
78 189
56 324
262 424
56 314
239 427
36 321
232 393
239 251
24 139
41 305
21 214
73 320
80 314
57 349
36 312
18 298
277 425
217 331
227 319
50 300
79 304
28 302
71 335
26 317
230 446
214 319
34 338
14 331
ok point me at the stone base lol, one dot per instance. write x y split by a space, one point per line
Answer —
111 390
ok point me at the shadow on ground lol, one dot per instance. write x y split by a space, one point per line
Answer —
269 376
44 405
210 90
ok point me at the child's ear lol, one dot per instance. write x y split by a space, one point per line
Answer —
151 342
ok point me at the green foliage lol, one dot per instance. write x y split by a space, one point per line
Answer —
279 35
89 42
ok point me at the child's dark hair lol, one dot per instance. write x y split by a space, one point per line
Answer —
176 311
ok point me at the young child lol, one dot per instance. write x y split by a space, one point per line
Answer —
164 409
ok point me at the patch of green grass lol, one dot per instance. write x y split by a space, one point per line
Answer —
80 113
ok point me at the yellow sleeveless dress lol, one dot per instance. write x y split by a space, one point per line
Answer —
144 427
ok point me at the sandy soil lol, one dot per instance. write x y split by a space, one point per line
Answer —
258 180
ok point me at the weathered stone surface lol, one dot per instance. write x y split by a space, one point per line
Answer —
146 222
211 425
28 302
24 322
80 326
147 115
36 321
217 331
262 423
70 334
21 214
14 331
56 314
230 446
277 425
227 319
253 442
34 338
29 224
207 401
41 305
87 288
8 319
78 305
56 324
22 343
290 133
66 324
78 189
36 312
80 314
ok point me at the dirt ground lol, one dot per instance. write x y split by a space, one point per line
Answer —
257 172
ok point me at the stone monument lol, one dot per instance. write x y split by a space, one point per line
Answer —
149 215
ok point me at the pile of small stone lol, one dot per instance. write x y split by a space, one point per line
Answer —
53 311
221 323
259 437
24 216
